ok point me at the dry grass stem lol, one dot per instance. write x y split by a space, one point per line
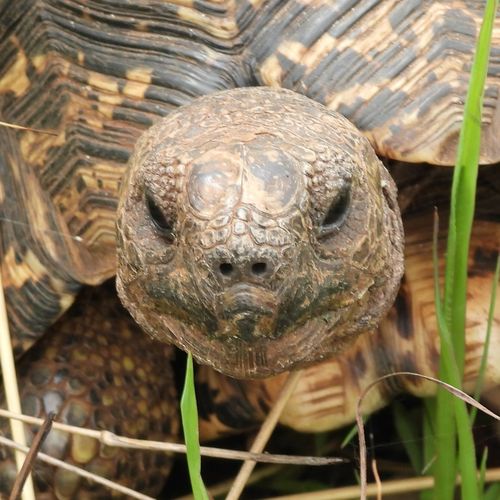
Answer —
31 456
394 487
11 390
378 483
20 127
110 439
81 472
264 434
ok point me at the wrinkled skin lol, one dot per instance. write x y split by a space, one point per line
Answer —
257 230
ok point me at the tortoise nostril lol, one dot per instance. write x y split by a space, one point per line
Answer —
226 269
259 268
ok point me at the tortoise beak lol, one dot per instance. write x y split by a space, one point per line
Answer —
247 312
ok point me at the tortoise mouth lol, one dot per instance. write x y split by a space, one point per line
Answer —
242 298
247 312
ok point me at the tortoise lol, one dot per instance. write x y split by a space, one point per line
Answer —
99 74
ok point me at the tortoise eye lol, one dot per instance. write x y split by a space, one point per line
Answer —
160 221
337 212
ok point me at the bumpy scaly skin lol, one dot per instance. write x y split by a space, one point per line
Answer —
96 369
287 195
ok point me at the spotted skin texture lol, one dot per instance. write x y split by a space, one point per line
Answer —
253 179
96 369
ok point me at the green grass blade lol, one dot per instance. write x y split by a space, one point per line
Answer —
350 435
429 435
189 414
464 186
486 348
407 431
482 470
428 448
493 492
466 452
454 302
446 468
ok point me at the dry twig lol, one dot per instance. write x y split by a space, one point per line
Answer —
377 479
11 390
111 439
20 127
77 470
264 434
30 457
394 487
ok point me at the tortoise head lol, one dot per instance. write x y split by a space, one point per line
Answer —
257 230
